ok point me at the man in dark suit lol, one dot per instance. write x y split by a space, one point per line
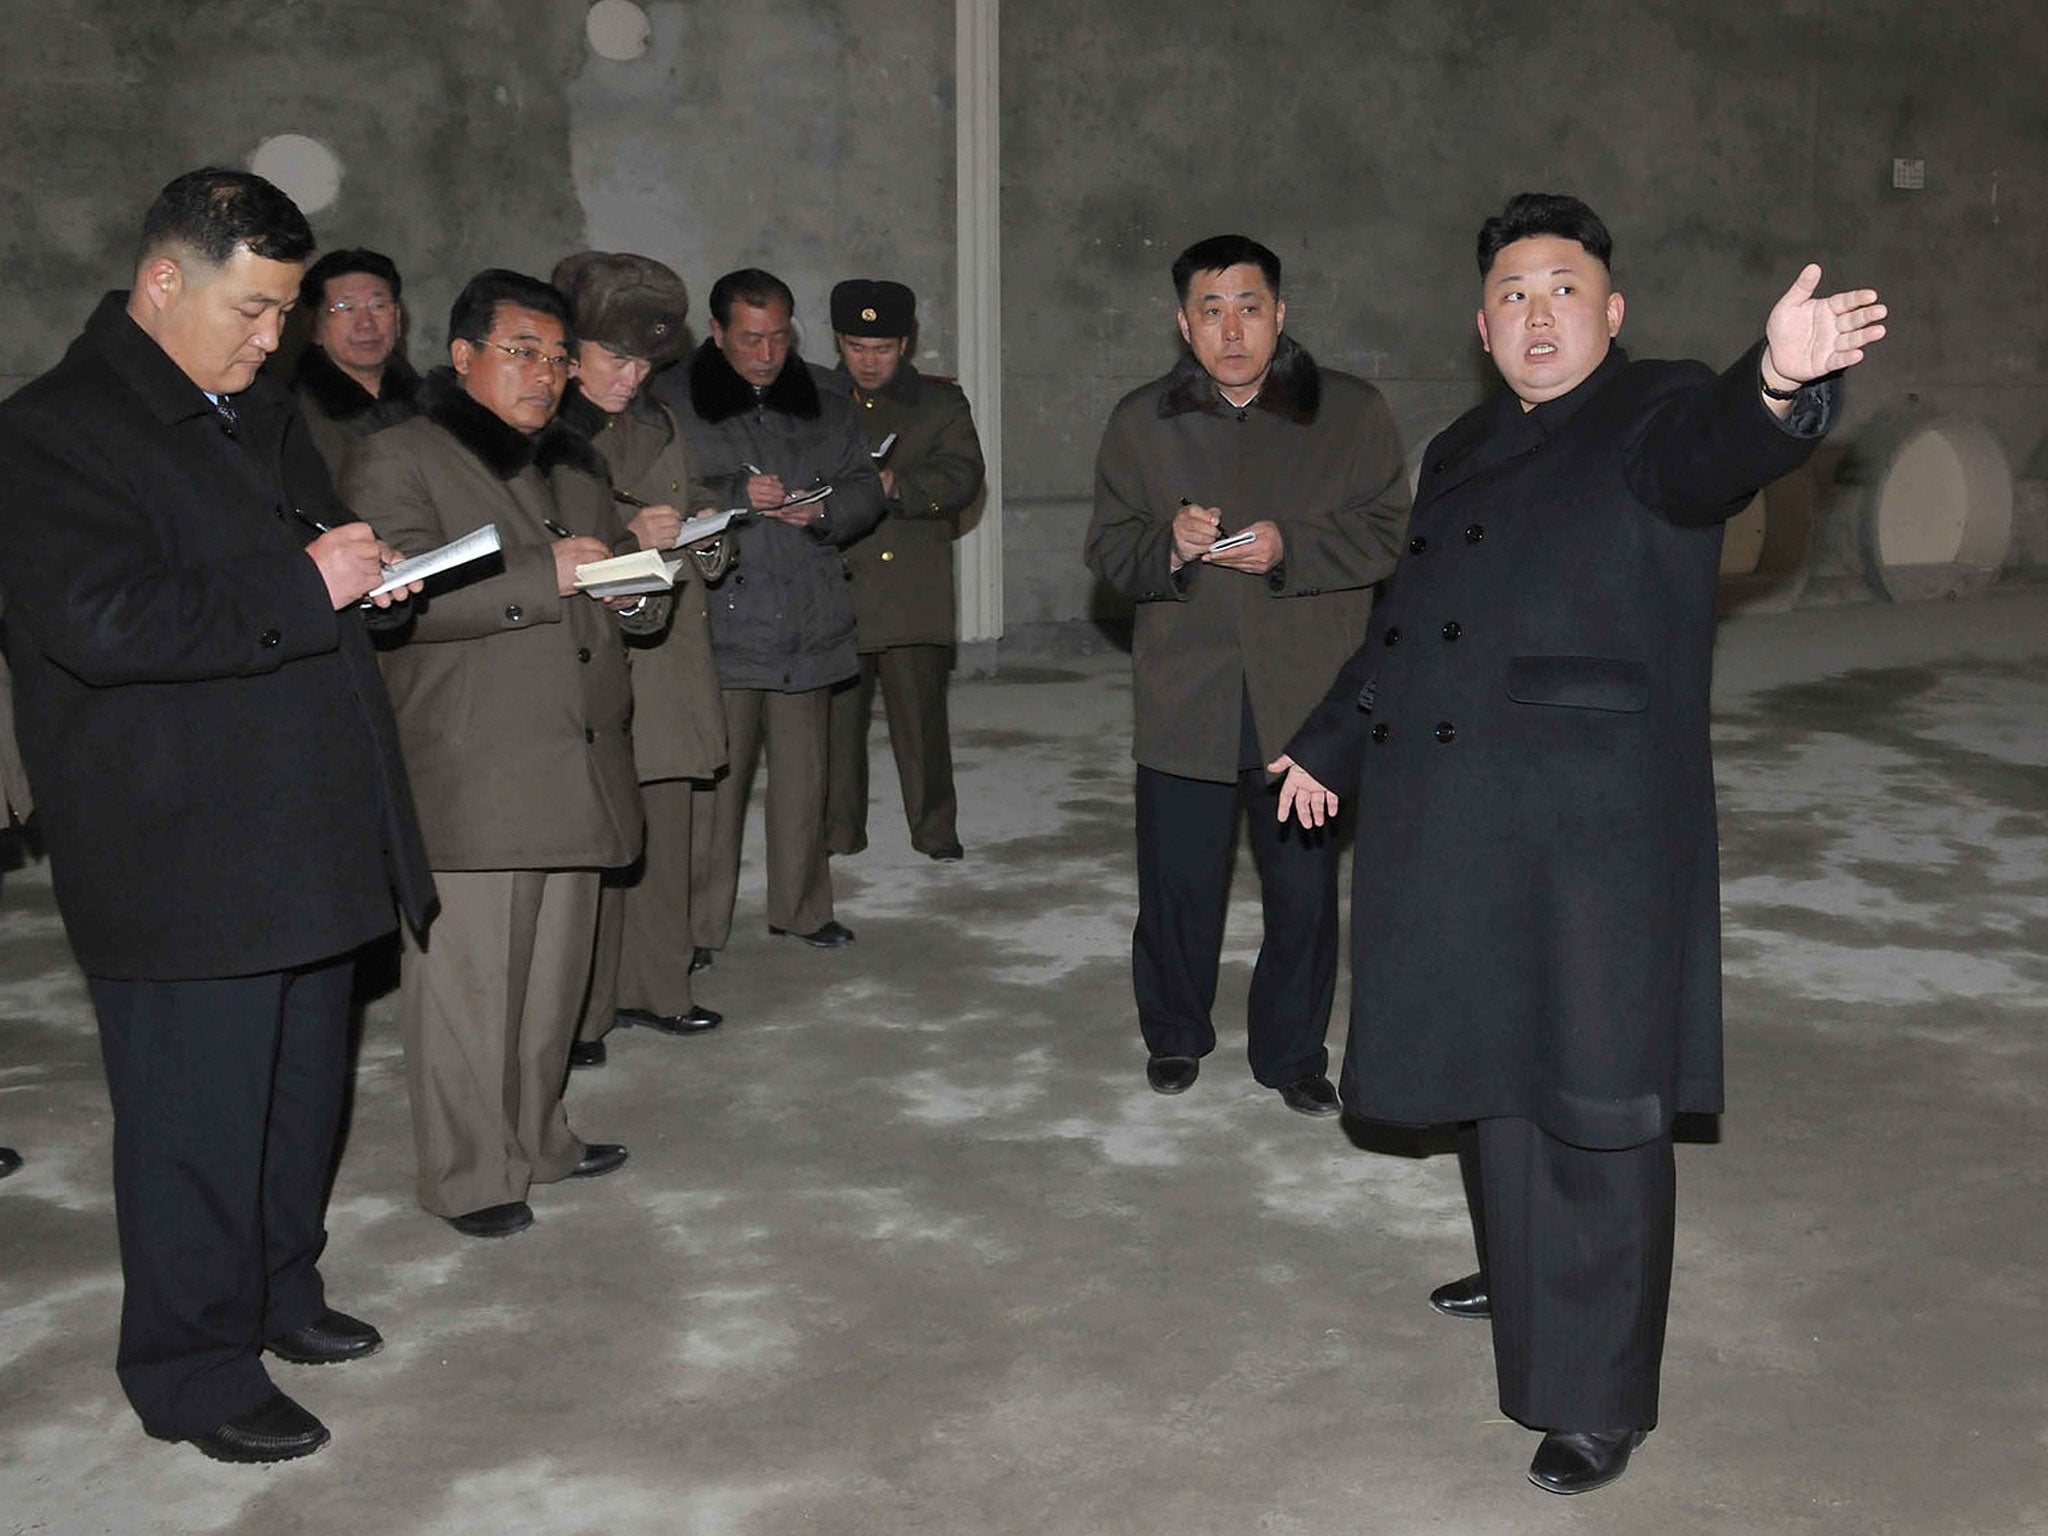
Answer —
219 788
1526 732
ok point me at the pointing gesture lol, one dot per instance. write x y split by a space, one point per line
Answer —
1809 336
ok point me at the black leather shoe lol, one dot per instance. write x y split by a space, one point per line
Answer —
1172 1074
947 852
833 935
329 1339
494 1220
1463 1298
599 1159
587 1053
9 1161
1311 1096
701 958
695 1022
1580 1460
276 1429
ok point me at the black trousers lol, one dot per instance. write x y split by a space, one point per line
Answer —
1575 1243
227 1100
1187 838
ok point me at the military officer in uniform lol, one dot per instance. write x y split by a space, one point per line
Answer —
921 433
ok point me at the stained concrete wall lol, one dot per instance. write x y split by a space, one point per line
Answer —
1364 141
812 138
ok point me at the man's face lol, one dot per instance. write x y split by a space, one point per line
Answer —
1232 322
872 360
1549 314
218 324
358 321
609 379
756 341
518 370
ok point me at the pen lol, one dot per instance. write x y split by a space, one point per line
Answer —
627 498
556 528
753 469
311 521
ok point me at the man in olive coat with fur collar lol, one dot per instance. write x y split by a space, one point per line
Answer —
1246 502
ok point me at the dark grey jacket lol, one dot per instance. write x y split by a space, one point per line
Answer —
783 619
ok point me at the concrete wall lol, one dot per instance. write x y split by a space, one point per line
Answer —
813 138
1364 141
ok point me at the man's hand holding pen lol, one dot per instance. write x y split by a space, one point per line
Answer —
351 560
1197 529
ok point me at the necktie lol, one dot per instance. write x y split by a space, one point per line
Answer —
230 419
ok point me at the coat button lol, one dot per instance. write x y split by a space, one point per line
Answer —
583 654
270 638
1453 629
1393 634
888 554
1474 532
1380 732
1417 545
589 735
514 613
1445 731
739 578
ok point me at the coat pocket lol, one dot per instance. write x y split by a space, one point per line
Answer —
1611 683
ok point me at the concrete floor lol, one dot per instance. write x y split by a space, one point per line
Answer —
907 1247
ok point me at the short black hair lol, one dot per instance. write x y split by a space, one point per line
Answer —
1219 252
313 286
752 287
212 211
476 307
1529 214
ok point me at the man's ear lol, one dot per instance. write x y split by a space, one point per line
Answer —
1615 309
160 281
1186 335
1279 314
461 354
1485 341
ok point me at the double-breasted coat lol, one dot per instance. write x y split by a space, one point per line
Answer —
1524 739
902 572
1319 455
215 766
513 703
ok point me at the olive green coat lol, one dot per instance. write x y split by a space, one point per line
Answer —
678 713
1317 453
902 572
513 703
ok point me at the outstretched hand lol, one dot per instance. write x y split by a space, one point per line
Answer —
1301 795
1810 336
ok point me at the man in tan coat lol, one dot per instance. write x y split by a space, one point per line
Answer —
921 432
1246 502
514 714
629 312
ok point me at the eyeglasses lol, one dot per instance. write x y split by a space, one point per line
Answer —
526 357
377 307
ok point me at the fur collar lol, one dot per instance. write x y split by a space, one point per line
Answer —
341 397
717 393
1294 387
504 450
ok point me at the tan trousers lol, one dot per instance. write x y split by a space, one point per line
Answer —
487 1008
913 683
792 727
643 920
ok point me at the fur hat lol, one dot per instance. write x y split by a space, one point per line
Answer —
631 304
866 306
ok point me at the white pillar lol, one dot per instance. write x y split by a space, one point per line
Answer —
977 164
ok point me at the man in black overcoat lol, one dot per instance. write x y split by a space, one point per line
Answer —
1525 731
218 783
